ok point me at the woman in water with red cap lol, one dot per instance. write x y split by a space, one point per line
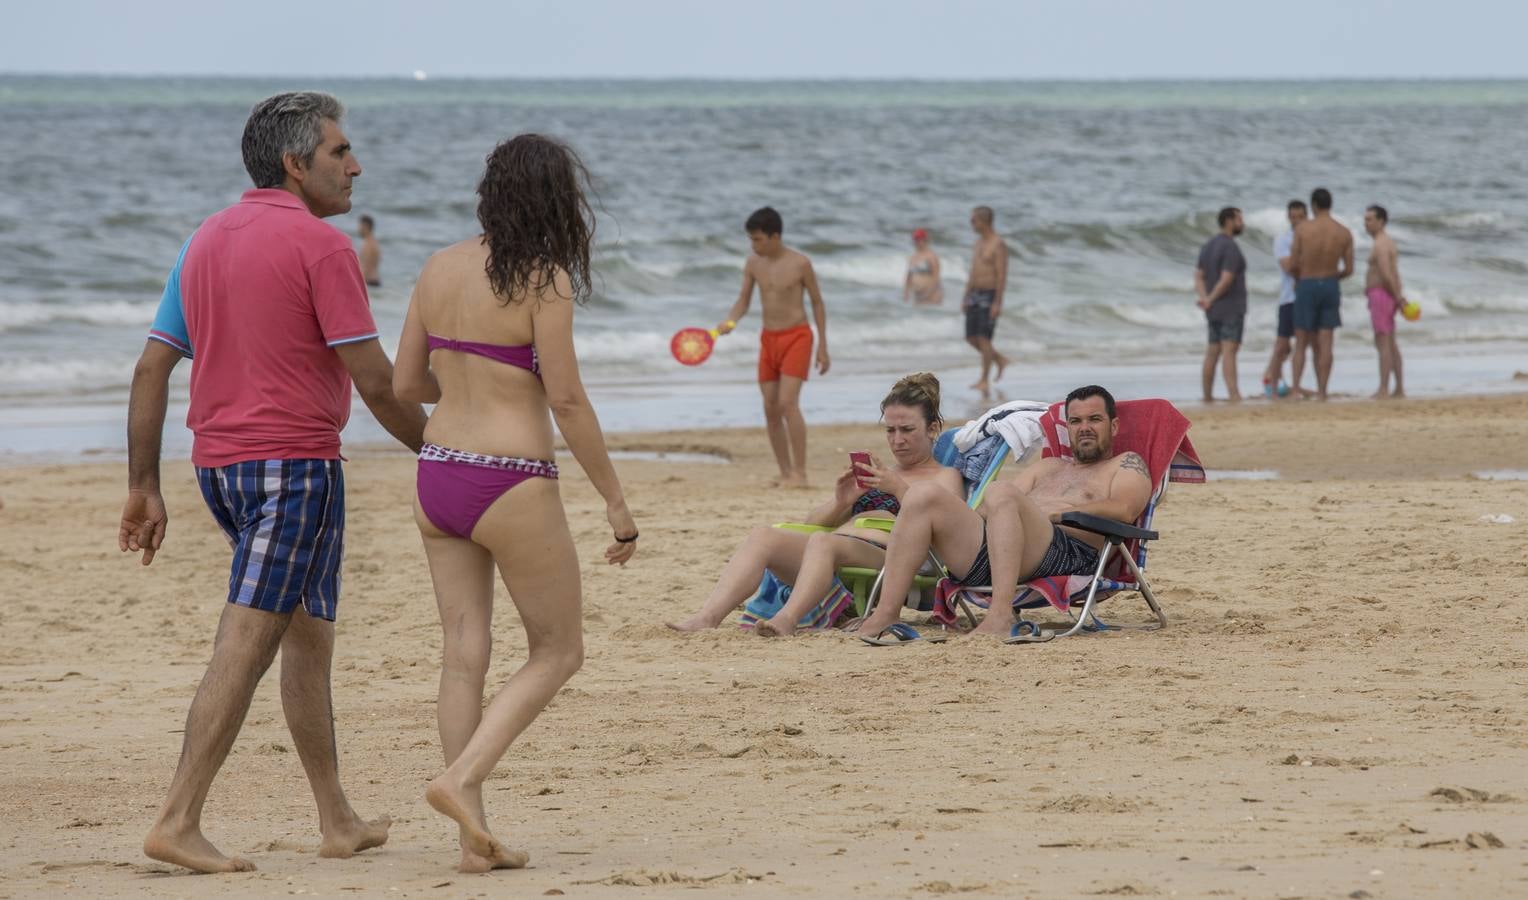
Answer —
922 286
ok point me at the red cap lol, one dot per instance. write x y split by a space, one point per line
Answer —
920 234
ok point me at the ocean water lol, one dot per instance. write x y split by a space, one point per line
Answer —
1105 192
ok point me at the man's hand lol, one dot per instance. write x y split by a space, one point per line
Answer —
995 311
1203 302
143 524
823 362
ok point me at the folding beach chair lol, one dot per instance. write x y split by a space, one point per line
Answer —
1159 433
862 581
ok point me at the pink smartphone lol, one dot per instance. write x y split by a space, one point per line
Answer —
858 458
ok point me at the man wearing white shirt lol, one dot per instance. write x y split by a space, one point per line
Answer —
1273 377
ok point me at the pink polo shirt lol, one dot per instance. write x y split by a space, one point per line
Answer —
262 293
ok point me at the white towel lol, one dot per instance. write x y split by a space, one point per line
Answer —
1017 422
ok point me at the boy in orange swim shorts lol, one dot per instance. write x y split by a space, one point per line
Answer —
784 276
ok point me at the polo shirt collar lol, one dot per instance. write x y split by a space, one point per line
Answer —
273 197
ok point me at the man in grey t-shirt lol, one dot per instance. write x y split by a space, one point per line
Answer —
1220 280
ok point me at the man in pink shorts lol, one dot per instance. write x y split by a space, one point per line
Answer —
1382 284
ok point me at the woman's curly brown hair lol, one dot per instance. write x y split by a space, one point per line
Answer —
535 217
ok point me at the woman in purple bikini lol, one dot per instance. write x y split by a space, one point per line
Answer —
489 341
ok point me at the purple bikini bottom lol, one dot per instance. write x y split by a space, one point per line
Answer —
456 486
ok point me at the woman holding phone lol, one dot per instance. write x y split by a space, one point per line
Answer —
807 561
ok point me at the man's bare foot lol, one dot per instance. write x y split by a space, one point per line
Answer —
190 850
1398 393
1234 398
343 842
473 864
990 628
770 628
794 480
1305 392
1207 399
980 386
448 800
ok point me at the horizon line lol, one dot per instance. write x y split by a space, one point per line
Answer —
803 79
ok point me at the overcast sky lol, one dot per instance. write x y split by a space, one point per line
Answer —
960 39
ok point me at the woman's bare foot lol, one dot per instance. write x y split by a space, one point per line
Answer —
448 799
190 850
770 628
343 842
693 623
473 864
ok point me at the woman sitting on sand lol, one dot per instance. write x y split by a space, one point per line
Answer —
808 561
489 340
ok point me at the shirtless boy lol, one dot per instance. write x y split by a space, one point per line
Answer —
1320 257
785 345
371 252
1382 286
983 301
1014 537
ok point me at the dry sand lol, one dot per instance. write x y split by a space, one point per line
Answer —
1336 710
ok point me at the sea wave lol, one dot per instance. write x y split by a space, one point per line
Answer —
33 315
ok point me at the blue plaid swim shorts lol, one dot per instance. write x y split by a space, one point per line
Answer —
285 520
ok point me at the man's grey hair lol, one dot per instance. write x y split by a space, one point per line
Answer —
286 123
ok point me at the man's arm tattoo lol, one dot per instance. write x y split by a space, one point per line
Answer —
1133 461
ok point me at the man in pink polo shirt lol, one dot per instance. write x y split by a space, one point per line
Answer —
267 301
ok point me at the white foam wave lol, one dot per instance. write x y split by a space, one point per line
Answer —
14 316
1478 303
1174 318
1472 219
887 270
32 376
1269 220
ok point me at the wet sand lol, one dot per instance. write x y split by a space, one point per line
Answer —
1337 705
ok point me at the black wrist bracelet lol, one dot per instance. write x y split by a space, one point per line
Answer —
630 540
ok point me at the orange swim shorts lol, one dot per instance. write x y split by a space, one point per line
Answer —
787 351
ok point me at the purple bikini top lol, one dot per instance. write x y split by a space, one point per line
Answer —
522 356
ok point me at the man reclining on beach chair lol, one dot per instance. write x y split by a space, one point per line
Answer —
1015 538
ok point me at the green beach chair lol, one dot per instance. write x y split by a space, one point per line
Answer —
861 581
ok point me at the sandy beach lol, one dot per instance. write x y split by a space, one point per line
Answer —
1335 711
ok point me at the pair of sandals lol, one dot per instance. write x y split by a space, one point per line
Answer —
897 633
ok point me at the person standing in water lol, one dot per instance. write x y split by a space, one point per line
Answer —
983 300
371 252
922 286
1382 285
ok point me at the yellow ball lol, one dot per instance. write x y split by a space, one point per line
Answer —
1411 311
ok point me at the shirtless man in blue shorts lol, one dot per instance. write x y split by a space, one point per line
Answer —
1320 257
